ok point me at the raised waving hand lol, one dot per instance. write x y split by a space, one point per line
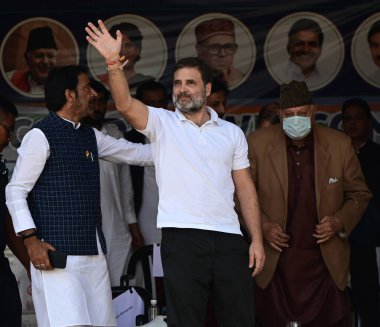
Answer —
102 40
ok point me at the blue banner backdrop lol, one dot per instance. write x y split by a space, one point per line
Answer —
345 63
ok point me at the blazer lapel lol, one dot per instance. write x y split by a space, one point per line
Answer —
321 160
280 163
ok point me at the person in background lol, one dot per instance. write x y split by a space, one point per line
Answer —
217 99
54 201
116 193
357 124
145 188
10 302
268 115
40 57
216 46
200 159
312 194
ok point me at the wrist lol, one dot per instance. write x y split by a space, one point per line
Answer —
116 63
25 236
112 60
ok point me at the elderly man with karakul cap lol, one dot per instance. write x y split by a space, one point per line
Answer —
312 193
40 56
216 46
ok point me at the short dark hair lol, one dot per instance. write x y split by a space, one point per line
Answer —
308 25
131 30
150 86
98 87
218 84
357 102
7 106
58 81
375 28
195 62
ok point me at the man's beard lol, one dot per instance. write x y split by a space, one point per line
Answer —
191 104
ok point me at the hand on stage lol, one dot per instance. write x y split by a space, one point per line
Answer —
256 257
274 234
328 227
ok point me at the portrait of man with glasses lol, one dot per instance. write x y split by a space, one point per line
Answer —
216 46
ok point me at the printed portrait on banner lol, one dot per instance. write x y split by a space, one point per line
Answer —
31 49
304 46
143 45
365 50
223 42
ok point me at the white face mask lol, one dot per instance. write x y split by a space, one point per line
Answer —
296 127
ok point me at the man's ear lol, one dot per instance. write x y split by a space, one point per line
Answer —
70 96
208 89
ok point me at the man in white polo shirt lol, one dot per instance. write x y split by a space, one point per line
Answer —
200 162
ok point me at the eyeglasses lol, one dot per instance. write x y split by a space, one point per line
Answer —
10 131
216 48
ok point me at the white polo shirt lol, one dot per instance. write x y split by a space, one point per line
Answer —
193 170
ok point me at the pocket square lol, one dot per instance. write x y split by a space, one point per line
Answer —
333 180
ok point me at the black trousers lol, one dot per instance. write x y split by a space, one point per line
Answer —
365 284
10 302
199 264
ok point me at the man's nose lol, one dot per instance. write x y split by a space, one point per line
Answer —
45 59
222 52
183 88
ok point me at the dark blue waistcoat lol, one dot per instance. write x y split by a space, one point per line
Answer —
65 201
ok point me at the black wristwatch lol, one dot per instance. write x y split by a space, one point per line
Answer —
25 236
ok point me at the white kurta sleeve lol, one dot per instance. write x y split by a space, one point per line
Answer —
32 156
123 151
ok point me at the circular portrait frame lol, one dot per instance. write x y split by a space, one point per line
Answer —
245 56
154 53
361 54
14 46
329 63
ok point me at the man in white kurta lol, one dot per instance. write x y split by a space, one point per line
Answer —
116 196
116 192
80 294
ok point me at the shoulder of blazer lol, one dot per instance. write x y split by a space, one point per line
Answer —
330 136
266 135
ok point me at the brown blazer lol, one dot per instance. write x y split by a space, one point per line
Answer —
341 191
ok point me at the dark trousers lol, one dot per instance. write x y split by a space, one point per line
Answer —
10 302
199 265
365 284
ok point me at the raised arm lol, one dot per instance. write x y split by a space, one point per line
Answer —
134 111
